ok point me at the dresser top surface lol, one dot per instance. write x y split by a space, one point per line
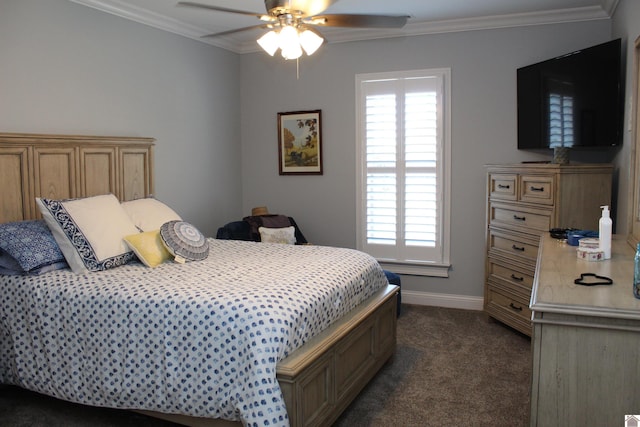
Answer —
551 167
557 268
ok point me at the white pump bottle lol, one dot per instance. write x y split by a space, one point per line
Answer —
604 233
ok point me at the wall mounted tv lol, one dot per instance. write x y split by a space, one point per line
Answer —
575 100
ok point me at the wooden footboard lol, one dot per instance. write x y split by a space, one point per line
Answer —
320 379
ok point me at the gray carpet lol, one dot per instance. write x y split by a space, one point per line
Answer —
451 367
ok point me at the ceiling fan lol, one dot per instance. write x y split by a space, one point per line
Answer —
292 24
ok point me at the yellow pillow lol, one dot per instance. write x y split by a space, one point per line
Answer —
148 247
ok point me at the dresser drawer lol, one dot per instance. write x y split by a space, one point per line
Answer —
518 247
520 217
503 186
536 189
517 276
508 308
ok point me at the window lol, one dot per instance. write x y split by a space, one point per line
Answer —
403 153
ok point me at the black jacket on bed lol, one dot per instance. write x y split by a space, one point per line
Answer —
247 228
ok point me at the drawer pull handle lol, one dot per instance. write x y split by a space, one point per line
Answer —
537 188
517 248
506 187
519 218
514 307
516 278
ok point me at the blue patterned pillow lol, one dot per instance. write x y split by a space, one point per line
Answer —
89 231
31 245
184 241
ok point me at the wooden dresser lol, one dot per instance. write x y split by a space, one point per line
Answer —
523 202
586 339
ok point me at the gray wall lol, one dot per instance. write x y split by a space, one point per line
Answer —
70 69
483 69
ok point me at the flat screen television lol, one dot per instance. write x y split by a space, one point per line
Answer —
574 100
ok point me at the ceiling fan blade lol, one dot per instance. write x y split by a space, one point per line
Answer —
358 21
237 30
224 9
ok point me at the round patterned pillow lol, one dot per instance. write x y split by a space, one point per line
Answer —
184 241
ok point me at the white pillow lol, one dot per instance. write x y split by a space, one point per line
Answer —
89 231
285 235
149 214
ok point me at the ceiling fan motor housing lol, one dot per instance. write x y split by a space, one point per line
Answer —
279 7
298 8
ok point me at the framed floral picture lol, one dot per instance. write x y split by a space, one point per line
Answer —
300 143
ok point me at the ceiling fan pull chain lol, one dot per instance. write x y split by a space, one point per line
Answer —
297 68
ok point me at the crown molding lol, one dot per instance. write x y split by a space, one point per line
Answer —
334 35
609 6
155 20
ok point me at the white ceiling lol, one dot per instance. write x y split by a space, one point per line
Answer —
426 16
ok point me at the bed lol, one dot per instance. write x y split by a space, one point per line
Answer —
195 343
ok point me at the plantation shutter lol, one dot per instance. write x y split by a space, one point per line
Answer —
401 145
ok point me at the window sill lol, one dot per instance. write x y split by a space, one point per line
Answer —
414 269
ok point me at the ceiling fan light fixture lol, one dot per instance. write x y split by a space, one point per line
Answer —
269 42
289 42
292 52
288 37
310 41
290 34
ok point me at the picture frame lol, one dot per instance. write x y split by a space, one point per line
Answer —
300 143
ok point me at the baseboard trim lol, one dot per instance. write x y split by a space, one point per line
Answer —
442 300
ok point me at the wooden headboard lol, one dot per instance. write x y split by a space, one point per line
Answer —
70 166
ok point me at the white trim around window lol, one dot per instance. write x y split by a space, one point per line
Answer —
403 143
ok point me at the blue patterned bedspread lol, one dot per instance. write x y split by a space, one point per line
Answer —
201 338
